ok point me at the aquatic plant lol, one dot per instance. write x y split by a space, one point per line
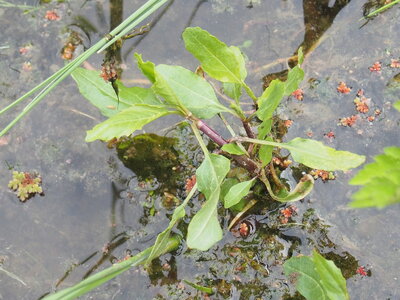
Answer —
25 184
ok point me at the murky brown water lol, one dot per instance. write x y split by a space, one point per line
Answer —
91 199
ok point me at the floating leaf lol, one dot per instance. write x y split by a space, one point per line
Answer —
147 67
127 121
180 86
381 180
331 278
295 77
233 149
316 155
237 192
301 271
216 58
270 99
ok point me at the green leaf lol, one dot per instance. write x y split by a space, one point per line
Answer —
332 279
233 149
182 87
204 229
295 77
216 58
237 192
126 122
301 271
147 67
200 288
109 273
396 105
270 99
102 95
264 128
302 189
381 180
265 153
232 90
316 155
300 56
240 60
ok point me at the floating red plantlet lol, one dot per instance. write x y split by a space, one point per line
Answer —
395 63
376 67
288 123
190 182
330 135
310 133
343 88
361 105
362 271
287 213
24 50
377 112
349 121
51 15
68 51
360 93
244 229
371 118
27 66
298 94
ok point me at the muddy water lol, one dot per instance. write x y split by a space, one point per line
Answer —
95 208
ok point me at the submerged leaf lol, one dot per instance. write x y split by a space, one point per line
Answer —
381 180
127 121
216 58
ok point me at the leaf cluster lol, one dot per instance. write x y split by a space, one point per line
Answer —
25 184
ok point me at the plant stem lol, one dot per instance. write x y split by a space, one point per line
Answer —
249 92
214 136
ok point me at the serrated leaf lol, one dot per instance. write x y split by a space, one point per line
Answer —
295 77
316 155
127 121
102 95
301 271
216 58
332 279
237 192
381 180
270 99
180 86
233 149
147 67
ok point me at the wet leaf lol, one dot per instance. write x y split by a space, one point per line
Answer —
264 128
270 99
147 67
331 278
237 192
127 121
233 149
302 189
380 180
265 153
180 86
316 155
216 58
232 90
102 95
200 288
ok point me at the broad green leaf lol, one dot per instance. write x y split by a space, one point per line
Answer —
126 122
332 279
264 128
265 153
237 192
381 180
295 77
180 86
316 155
216 58
109 273
232 90
211 173
241 61
233 149
396 105
226 186
147 67
204 229
270 99
302 189
102 95
301 271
